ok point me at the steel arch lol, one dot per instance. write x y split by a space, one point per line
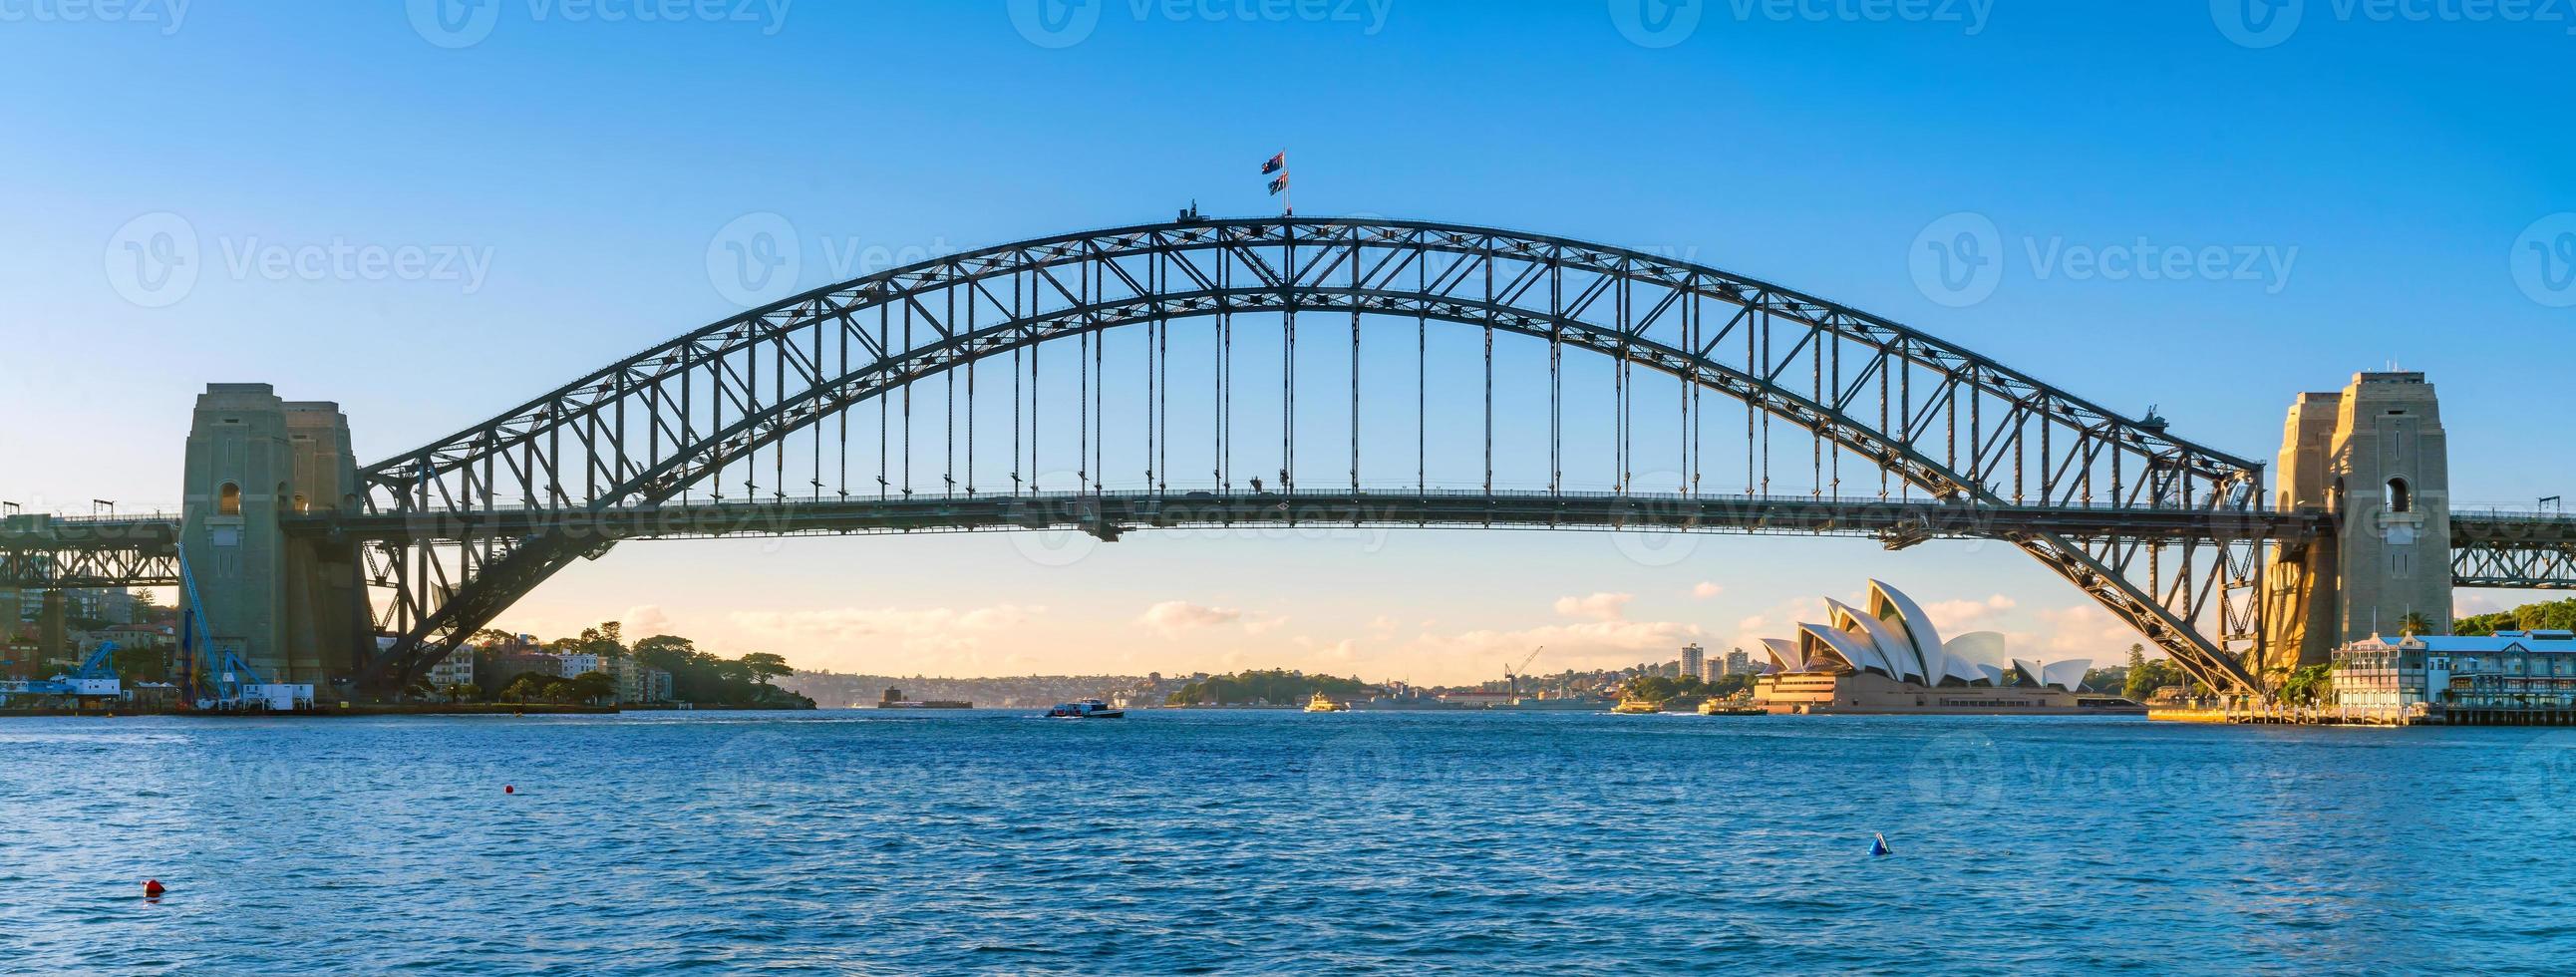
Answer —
630 433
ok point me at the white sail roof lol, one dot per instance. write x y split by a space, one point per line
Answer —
1845 645
1784 654
1967 654
1903 659
1889 603
2067 675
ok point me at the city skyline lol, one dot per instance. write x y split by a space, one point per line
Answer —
2357 221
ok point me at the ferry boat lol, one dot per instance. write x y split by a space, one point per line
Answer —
1325 703
1637 706
1722 707
1085 709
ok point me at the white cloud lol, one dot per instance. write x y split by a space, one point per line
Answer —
1599 607
2079 631
1589 644
915 629
645 621
1955 616
1706 590
1173 617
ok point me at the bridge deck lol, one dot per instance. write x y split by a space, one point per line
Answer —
2524 550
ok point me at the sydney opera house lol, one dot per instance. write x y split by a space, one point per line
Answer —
1888 658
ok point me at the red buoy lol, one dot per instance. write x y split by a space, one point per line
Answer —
152 888
507 789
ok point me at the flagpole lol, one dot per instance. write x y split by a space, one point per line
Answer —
1287 192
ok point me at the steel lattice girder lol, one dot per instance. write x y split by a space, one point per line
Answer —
641 430
2526 551
41 552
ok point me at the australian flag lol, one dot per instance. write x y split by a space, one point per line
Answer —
1279 185
1277 163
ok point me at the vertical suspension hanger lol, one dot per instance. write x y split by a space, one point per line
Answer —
948 388
1355 360
885 400
907 405
1288 363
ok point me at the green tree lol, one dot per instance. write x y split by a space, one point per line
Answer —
594 686
2307 686
2148 675
763 666
2414 622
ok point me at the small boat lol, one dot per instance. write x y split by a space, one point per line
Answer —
1324 703
1085 709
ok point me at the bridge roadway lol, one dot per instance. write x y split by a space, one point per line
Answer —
2514 550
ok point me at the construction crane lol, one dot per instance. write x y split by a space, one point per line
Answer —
94 679
212 675
1514 676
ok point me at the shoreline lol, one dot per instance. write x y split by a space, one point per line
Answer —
424 709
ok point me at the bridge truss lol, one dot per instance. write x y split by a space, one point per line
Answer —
1660 363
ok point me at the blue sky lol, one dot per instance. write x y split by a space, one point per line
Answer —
563 167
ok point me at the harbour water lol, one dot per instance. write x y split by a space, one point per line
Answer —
900 841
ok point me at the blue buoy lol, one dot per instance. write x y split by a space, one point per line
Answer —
1878 846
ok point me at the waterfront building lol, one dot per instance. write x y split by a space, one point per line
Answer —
1694 662
580 662
507 668
454 670
2510 676
1888 658
639 683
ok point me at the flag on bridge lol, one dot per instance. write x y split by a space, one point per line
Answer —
1277 163
1279 186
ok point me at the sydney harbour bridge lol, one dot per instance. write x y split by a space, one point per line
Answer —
1290 370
